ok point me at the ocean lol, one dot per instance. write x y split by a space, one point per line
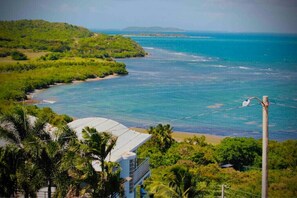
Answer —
196 83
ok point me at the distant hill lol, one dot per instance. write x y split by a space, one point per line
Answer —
40 34
153 29
22 29
65 38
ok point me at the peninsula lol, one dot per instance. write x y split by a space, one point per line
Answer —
35 54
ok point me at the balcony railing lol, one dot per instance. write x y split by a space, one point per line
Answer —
142 169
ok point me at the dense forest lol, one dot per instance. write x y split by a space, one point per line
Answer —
35 54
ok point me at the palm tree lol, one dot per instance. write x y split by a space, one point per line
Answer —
52 152
29 177
34 142
111 184
162 136
48 160
77 162
182 182
9 161
82 176
178 183
15 127
97 146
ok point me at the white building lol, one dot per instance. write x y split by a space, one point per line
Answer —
124 152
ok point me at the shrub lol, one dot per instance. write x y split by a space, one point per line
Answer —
16 55
4 53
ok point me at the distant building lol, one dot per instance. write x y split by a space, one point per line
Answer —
133 169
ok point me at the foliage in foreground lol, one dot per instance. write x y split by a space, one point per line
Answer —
33 158
196 162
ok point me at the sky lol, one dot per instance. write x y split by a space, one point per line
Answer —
275 16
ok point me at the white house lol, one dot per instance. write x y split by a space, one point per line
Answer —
124 152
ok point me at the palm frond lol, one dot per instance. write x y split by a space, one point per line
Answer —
9 136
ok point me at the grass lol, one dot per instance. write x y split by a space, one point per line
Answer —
31 54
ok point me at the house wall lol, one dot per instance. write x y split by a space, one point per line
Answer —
127 164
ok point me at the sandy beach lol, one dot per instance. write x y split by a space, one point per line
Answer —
97 79
180 136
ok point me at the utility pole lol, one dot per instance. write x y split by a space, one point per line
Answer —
265 105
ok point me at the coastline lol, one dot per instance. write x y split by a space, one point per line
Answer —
30 96
177 135
180 136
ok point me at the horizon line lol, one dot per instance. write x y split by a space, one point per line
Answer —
198 31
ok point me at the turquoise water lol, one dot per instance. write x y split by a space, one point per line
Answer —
197 84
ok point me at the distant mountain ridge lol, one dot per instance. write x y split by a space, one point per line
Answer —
153 29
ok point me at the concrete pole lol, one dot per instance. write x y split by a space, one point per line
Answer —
265 105
223 191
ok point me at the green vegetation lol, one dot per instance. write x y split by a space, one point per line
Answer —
40 35
64 38
16 80
33 159
104 46
35 54
191 168
68 53
61 53
238 151
16 55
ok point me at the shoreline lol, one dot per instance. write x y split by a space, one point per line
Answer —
180 136
177 135
30 96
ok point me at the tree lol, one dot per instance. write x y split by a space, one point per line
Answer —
48 161
239 151
182 181
16 55
16 127
10 158
66 162
110 184
162 136
36 147
283 155
97 146
176 182
78 160
29 178
197 141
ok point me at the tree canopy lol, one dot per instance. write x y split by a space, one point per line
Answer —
239 151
